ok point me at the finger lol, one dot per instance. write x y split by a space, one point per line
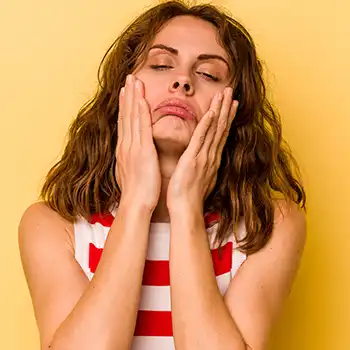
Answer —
232 114
121 100
139 90
135 120
145 122
200 134
120 116
128 108
215 107
223 119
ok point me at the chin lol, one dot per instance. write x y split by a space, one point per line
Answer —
172 134
170 143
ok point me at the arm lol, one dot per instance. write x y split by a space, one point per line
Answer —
202 319
72 313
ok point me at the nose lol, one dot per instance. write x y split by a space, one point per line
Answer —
182 84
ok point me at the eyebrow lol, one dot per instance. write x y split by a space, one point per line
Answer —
201 57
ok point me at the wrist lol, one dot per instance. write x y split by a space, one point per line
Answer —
187 222
185 210
128 205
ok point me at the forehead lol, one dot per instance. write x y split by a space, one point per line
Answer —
190 35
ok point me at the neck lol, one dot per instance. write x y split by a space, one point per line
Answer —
167 166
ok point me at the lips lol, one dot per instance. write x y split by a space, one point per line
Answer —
177 108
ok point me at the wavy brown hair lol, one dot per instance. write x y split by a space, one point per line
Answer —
256 167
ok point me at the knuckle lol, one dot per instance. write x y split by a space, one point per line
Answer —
223 125
202 139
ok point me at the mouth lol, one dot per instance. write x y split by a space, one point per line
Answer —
176 108
175 111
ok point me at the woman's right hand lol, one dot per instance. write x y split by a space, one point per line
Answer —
137 168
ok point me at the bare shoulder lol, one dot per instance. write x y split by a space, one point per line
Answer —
290 221
256 295
40 222
54 277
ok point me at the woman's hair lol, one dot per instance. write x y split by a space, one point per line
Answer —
256 167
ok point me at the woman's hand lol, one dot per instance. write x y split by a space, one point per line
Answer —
137 169
196 172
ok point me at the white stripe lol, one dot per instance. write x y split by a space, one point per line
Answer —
158 298
158 247
159 240
158 244
82 237
155 298
153 343
223 282
241 229
212 231
238 259
99 234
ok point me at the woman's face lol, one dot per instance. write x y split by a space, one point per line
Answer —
186 65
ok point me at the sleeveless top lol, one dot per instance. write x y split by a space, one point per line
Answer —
153 328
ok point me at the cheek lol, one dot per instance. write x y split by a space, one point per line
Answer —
151 89
205 101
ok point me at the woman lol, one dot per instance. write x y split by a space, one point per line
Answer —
173 219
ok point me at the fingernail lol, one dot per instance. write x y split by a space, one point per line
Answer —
219 96
122 91
129 78
138 84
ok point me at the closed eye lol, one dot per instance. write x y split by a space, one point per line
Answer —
164 67
160 67
209 76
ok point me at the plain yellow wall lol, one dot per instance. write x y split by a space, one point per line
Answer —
50 53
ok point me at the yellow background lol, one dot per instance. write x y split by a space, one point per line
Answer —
50 51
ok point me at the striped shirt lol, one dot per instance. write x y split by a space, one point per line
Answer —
153 328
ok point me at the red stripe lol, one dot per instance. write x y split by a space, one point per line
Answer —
103 219
157 272
94 257
107 219
222 264
211 218
154 323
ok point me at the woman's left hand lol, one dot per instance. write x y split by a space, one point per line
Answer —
196 172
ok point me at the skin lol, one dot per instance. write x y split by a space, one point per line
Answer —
189 153
172 135
255 297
